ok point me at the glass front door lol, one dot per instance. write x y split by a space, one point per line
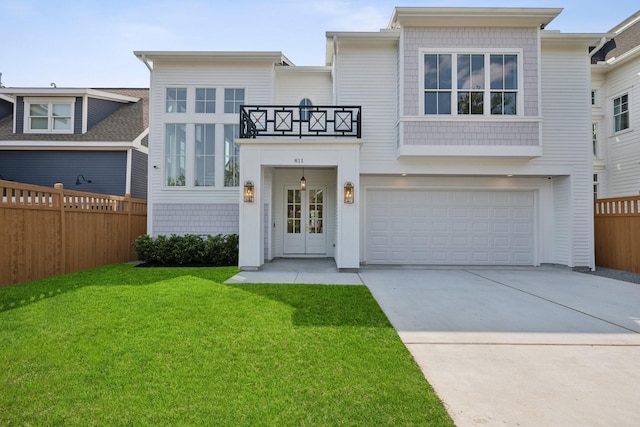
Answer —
304 215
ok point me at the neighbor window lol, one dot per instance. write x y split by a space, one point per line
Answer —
470 84
49 117
205 144
233 100
176 100
205 100
231 156
175 154
305 113
594 97
596 186
621 113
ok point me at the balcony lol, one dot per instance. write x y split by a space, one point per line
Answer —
300 121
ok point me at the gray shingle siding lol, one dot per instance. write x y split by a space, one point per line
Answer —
139 175
20 114
100 109
105 169
195 218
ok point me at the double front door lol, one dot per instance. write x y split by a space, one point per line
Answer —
304 216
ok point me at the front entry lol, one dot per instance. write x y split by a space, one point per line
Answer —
304 221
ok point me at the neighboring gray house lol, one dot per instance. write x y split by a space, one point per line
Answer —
87 139
615 102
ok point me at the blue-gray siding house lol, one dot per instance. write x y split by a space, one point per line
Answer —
87 139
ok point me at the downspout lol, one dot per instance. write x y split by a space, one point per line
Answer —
603 40
144 60
335 69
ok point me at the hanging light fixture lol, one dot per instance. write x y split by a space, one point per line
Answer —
303 182
348 193
248 192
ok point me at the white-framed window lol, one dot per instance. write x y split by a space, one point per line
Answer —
49 116
231 156
175 154
471 82
233 100
596 186
305 113
206 100
205 157
594 139
176 100
621 113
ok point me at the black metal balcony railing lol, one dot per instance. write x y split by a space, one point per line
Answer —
298 121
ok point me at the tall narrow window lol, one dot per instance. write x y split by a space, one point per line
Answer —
621 113
305 113
504 84
205 159
176 100
437 84
231 156
233 100
205 100
470 84
175 154
596 186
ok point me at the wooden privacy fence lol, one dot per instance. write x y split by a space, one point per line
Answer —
49 231
617 233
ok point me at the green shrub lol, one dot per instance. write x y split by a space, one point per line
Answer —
219 250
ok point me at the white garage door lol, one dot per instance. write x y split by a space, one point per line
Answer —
450 227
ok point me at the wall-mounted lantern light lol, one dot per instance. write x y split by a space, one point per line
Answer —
78 182
303 182
348 193
248 192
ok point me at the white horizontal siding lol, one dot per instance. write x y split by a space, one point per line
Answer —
293 87
368 76
621 149
566 131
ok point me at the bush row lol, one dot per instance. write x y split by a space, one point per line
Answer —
219 250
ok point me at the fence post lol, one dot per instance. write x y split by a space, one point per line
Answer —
58 201
129 209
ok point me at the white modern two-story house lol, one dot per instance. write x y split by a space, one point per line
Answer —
456 136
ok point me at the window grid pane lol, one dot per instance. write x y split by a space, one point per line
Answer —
204 155
621 113
437 83
175 149
205 100
176 100
233 100
504 84
231 156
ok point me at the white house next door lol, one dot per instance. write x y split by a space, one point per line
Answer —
304 216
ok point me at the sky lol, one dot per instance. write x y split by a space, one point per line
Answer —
90 43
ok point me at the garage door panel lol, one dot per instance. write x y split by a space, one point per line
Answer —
457 227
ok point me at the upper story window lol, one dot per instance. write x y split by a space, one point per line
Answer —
305 113
621 113
470 83
49 116
233 100
205 100
176 100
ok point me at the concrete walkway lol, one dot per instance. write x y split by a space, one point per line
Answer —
506 346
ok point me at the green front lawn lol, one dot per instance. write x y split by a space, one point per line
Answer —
120 345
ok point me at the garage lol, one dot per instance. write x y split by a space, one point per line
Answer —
462 227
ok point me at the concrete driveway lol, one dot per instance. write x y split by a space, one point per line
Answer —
520 347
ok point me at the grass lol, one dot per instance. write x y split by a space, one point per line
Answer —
120 345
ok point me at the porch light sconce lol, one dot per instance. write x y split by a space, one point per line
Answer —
88 181
348 193
303 182
248 192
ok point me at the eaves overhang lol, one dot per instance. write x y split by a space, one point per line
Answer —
558 39
360 38
213 56
472 17
65 91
